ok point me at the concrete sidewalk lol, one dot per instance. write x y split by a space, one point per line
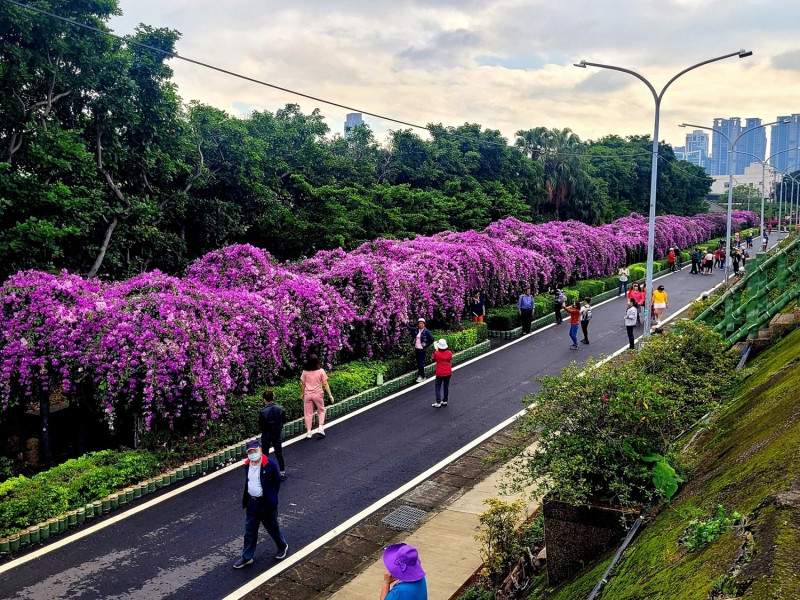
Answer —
446 542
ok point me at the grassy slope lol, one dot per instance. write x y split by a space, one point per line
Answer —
750 454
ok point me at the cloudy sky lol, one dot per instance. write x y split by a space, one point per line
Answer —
506 64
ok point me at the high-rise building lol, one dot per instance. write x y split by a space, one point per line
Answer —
719 145
352 120
752 147
783 144
696 149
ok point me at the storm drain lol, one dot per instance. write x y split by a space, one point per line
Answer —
404 517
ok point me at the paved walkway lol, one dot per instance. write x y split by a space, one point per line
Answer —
447 547
181 542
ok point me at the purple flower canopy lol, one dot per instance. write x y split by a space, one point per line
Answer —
174 348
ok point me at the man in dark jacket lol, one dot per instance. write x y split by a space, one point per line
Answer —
260 501
270 420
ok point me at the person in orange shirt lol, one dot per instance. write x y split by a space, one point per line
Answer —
574 323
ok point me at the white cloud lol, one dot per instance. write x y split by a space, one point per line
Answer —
506 64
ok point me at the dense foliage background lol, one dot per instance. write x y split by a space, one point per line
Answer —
105 170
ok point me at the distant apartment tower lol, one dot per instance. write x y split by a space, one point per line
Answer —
785 139
352 120
696 149
751 148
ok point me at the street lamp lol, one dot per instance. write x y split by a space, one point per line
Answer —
763 174
732 149
657 97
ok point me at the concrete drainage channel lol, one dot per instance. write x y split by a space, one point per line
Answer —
324 572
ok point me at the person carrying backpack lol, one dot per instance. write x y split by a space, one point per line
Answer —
558 303
586 316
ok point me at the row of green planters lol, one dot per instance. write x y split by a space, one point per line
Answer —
32 509
86 488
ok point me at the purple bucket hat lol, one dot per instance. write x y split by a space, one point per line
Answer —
252 445
402 562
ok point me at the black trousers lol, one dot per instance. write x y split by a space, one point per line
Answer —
694 266
273 438
557 310
630 335
420 362
585 330
526 316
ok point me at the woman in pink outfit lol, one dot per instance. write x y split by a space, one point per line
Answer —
313 381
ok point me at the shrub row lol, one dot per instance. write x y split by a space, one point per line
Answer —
71 484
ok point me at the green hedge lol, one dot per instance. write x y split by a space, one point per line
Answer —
25 501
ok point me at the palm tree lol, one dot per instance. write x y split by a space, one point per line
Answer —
557 150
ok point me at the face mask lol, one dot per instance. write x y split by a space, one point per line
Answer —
254 457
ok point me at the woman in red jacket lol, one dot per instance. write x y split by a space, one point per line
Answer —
443 359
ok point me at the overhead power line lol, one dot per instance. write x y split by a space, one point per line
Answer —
432 130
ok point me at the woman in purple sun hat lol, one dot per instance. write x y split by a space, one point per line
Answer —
404 574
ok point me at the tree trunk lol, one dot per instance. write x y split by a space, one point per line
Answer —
102 254
44 412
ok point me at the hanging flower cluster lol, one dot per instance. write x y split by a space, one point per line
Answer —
172 349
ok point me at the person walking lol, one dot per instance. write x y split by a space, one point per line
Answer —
574 322
671 260
749 240
586 316
623 279
444 370
559 301
313 380
525 306
478 307
270 421
404 578
765 243
695 256
659 302
717 258
422 339
736 254
631 314
260 501
679 258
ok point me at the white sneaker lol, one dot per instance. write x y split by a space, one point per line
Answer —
436 404
321 431
308 435
420 380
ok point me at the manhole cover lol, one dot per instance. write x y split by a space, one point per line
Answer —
404 517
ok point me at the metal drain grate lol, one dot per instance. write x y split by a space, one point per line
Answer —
404 517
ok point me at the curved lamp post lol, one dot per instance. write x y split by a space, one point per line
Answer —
732 149
657 97
763 175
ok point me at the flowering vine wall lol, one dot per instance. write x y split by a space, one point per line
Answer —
172 349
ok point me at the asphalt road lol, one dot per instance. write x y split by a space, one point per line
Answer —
184 546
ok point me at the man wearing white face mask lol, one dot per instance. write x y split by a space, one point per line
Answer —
260 501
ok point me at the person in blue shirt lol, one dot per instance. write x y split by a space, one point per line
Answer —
525 308
404 578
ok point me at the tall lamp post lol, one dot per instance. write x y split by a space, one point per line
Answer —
763 178
732 149
657 97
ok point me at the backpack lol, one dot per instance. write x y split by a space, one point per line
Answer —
587 314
